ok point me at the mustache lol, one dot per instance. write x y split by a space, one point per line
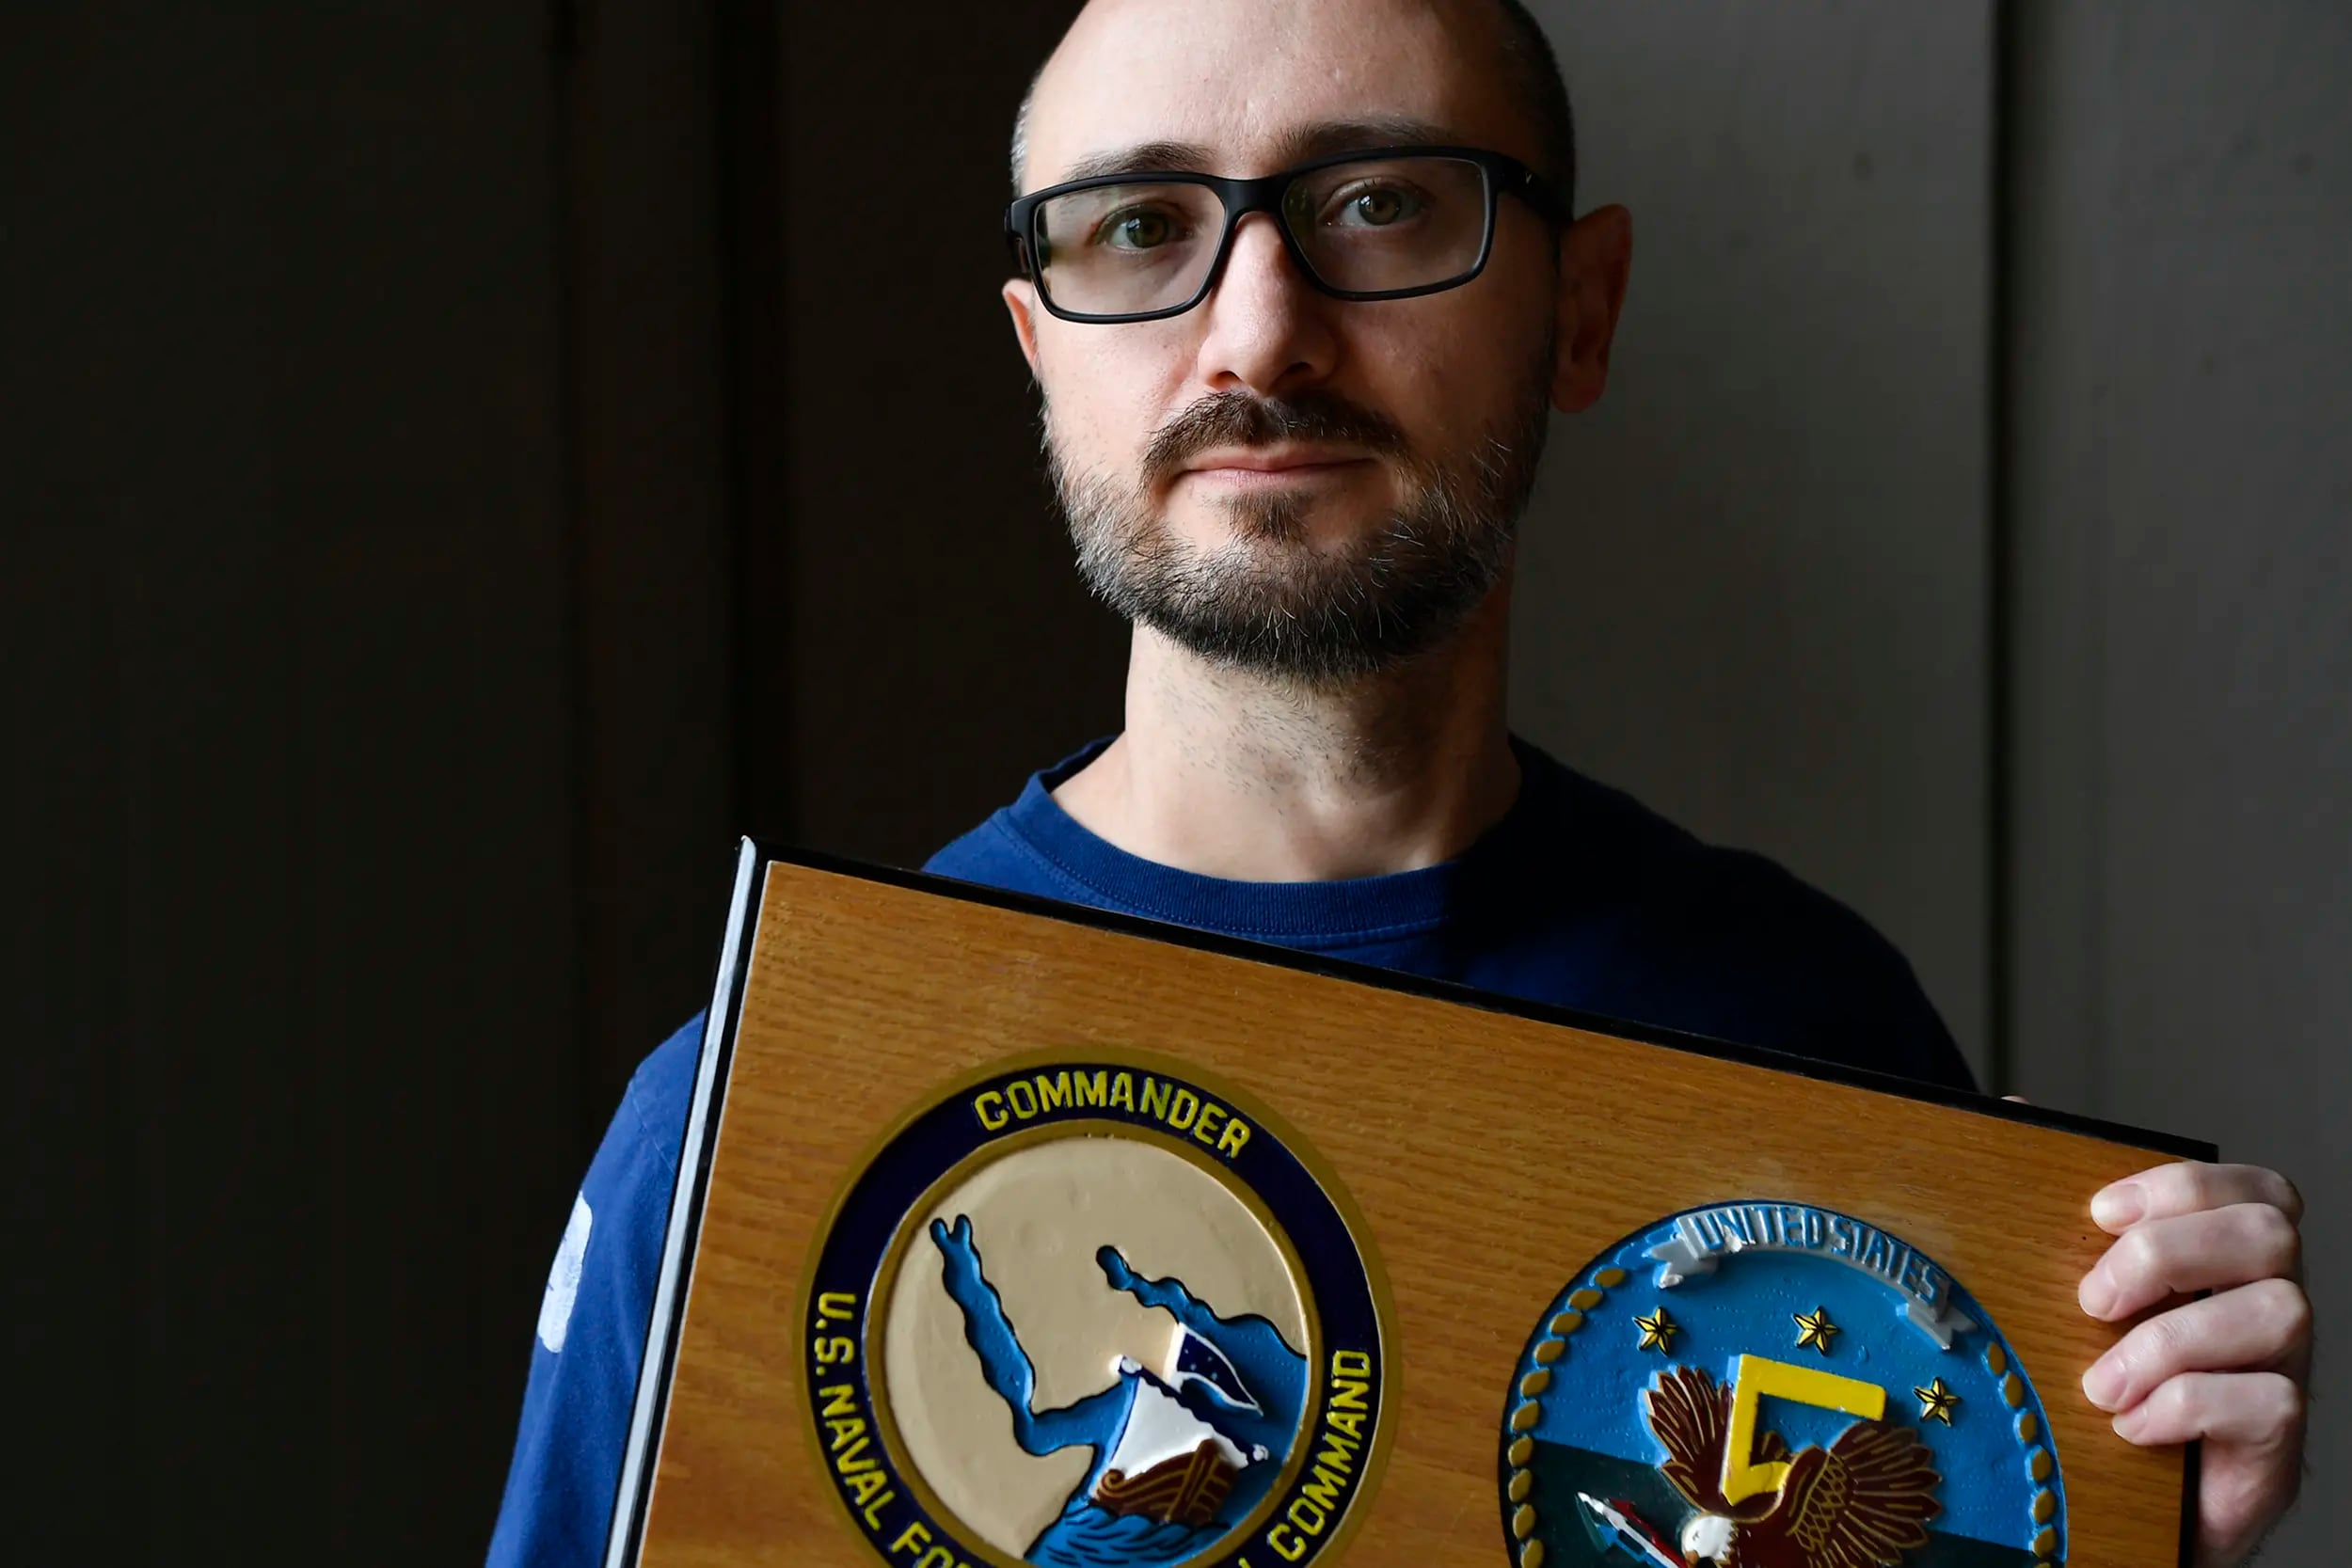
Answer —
1239 420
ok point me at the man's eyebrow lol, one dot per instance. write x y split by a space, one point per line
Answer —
1353 135
1152 157
1295 147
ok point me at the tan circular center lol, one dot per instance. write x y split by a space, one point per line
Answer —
1038 1214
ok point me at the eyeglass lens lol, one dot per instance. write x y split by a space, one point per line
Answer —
1367 226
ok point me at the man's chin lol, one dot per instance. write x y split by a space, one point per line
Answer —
1293 520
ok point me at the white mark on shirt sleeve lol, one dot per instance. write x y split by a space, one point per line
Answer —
555 1308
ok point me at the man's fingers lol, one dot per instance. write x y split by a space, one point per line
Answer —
2188 1188
2226 1369
2208 1251
2261 1408
2252 1427
2264 1326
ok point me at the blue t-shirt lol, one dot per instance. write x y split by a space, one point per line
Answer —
1579 898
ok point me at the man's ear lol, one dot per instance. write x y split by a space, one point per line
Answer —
1595 253
1021 301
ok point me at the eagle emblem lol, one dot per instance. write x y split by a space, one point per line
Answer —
1862 1502
1771 1384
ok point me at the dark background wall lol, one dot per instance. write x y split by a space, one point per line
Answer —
2180 606
466 463
295 990
1755 573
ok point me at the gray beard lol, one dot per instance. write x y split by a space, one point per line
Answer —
1269 603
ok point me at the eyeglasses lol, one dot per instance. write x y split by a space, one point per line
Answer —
1385 224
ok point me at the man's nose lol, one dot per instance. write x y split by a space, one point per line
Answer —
1267 329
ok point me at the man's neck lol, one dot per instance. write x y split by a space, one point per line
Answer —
1231 775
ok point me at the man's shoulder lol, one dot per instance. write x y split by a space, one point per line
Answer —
1652 867
983 849
997 854
662 1091
1028 845
1731 943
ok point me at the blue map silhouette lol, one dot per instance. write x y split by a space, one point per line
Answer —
1260 1415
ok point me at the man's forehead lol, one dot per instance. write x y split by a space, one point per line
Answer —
1246 86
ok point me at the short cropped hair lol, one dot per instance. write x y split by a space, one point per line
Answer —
1535 76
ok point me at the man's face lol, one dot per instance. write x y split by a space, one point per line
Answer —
1298 484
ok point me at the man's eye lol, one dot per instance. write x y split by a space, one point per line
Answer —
1375 208
1140 230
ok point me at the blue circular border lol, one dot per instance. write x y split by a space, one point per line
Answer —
1999 1357
869 1215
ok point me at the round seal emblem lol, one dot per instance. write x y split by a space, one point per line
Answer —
1762 1385
1095 1312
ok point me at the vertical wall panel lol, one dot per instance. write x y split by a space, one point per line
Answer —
1753 583
650 550
285 554
2183 333
939 643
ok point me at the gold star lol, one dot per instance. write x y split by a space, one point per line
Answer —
1657 1330
1815 1329
1937 1402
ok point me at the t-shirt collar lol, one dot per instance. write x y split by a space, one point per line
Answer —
1317 913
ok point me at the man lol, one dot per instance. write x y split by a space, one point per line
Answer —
1297 370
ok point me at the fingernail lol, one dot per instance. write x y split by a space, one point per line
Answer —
2103 1384
2097 1296
2118 1206
2127 1423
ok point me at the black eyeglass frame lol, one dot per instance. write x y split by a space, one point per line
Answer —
1502 174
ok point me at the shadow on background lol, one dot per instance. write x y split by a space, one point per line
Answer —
406 611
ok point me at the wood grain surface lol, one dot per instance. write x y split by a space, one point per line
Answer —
1492 1156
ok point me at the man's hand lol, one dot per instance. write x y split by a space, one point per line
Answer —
2229 1369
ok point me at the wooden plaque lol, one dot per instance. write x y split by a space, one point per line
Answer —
1012 1232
